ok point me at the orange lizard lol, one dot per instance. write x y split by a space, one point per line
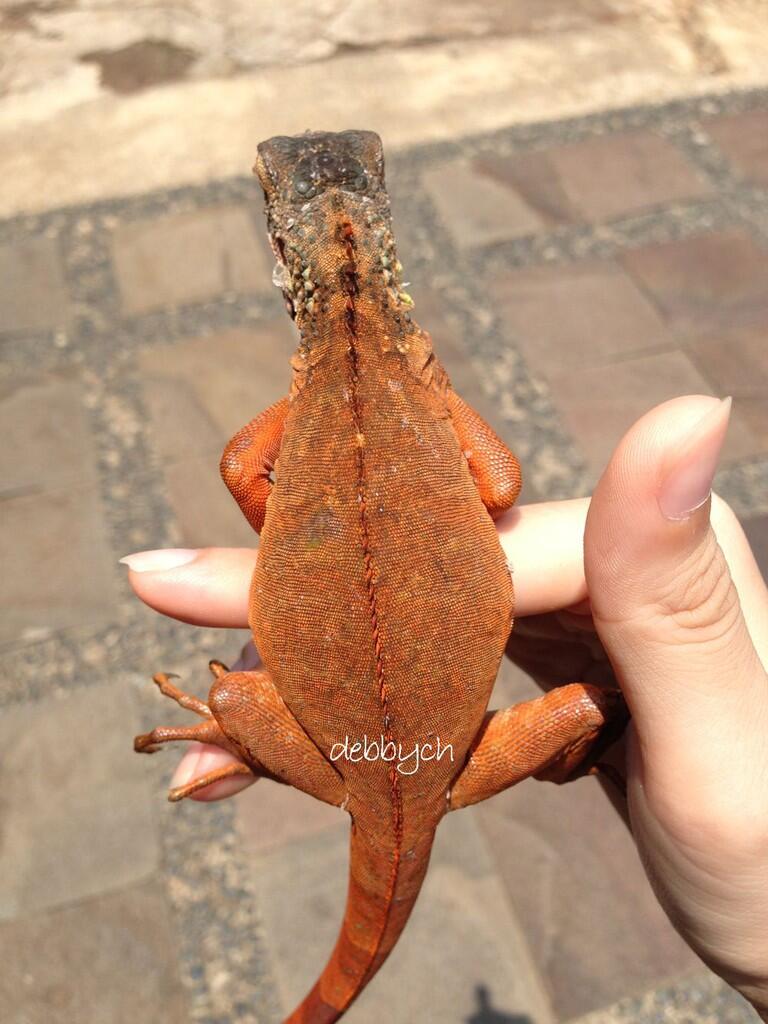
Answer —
381 600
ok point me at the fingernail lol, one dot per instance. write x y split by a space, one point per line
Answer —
687 482
164 558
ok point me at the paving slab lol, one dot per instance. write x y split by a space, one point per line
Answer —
206 513
623 174
753 413
534 178
77 816
735 360
58 568
33 294
188 257
600 404
462 946
270 816
59 571
705 281
476 209
572 874
33 408
588 314
59 967
743 138
199 393
601 178
215 384
182 426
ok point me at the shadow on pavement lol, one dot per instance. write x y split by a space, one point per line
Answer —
486 1014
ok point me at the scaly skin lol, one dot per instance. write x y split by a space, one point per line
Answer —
381 601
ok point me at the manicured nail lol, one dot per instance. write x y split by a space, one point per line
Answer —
687 482
164 558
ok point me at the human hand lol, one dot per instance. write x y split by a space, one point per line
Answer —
683 646
682 613
685 635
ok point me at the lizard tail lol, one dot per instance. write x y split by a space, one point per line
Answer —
384 882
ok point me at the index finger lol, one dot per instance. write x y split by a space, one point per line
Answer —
543 543
210 586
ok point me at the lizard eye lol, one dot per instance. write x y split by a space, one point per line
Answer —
323 169
303 186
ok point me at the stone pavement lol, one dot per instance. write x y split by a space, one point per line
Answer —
100 98
573 274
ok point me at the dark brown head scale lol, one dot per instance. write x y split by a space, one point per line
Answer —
295 169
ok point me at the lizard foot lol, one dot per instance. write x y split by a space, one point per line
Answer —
584 756
207 731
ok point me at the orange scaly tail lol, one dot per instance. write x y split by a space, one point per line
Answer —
383 885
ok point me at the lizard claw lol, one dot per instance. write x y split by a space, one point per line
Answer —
206 731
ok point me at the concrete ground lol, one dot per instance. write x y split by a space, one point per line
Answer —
574 271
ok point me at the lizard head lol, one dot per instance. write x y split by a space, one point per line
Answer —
321 188
310 178
294 170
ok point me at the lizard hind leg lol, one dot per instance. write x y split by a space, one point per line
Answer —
254 716
246 716
557 737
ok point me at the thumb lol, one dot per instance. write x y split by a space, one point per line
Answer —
662 597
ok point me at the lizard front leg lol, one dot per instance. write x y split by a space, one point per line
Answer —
557 737
249 459
246 716
493 466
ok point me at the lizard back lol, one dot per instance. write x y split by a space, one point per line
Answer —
381 597
381 600
402 628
